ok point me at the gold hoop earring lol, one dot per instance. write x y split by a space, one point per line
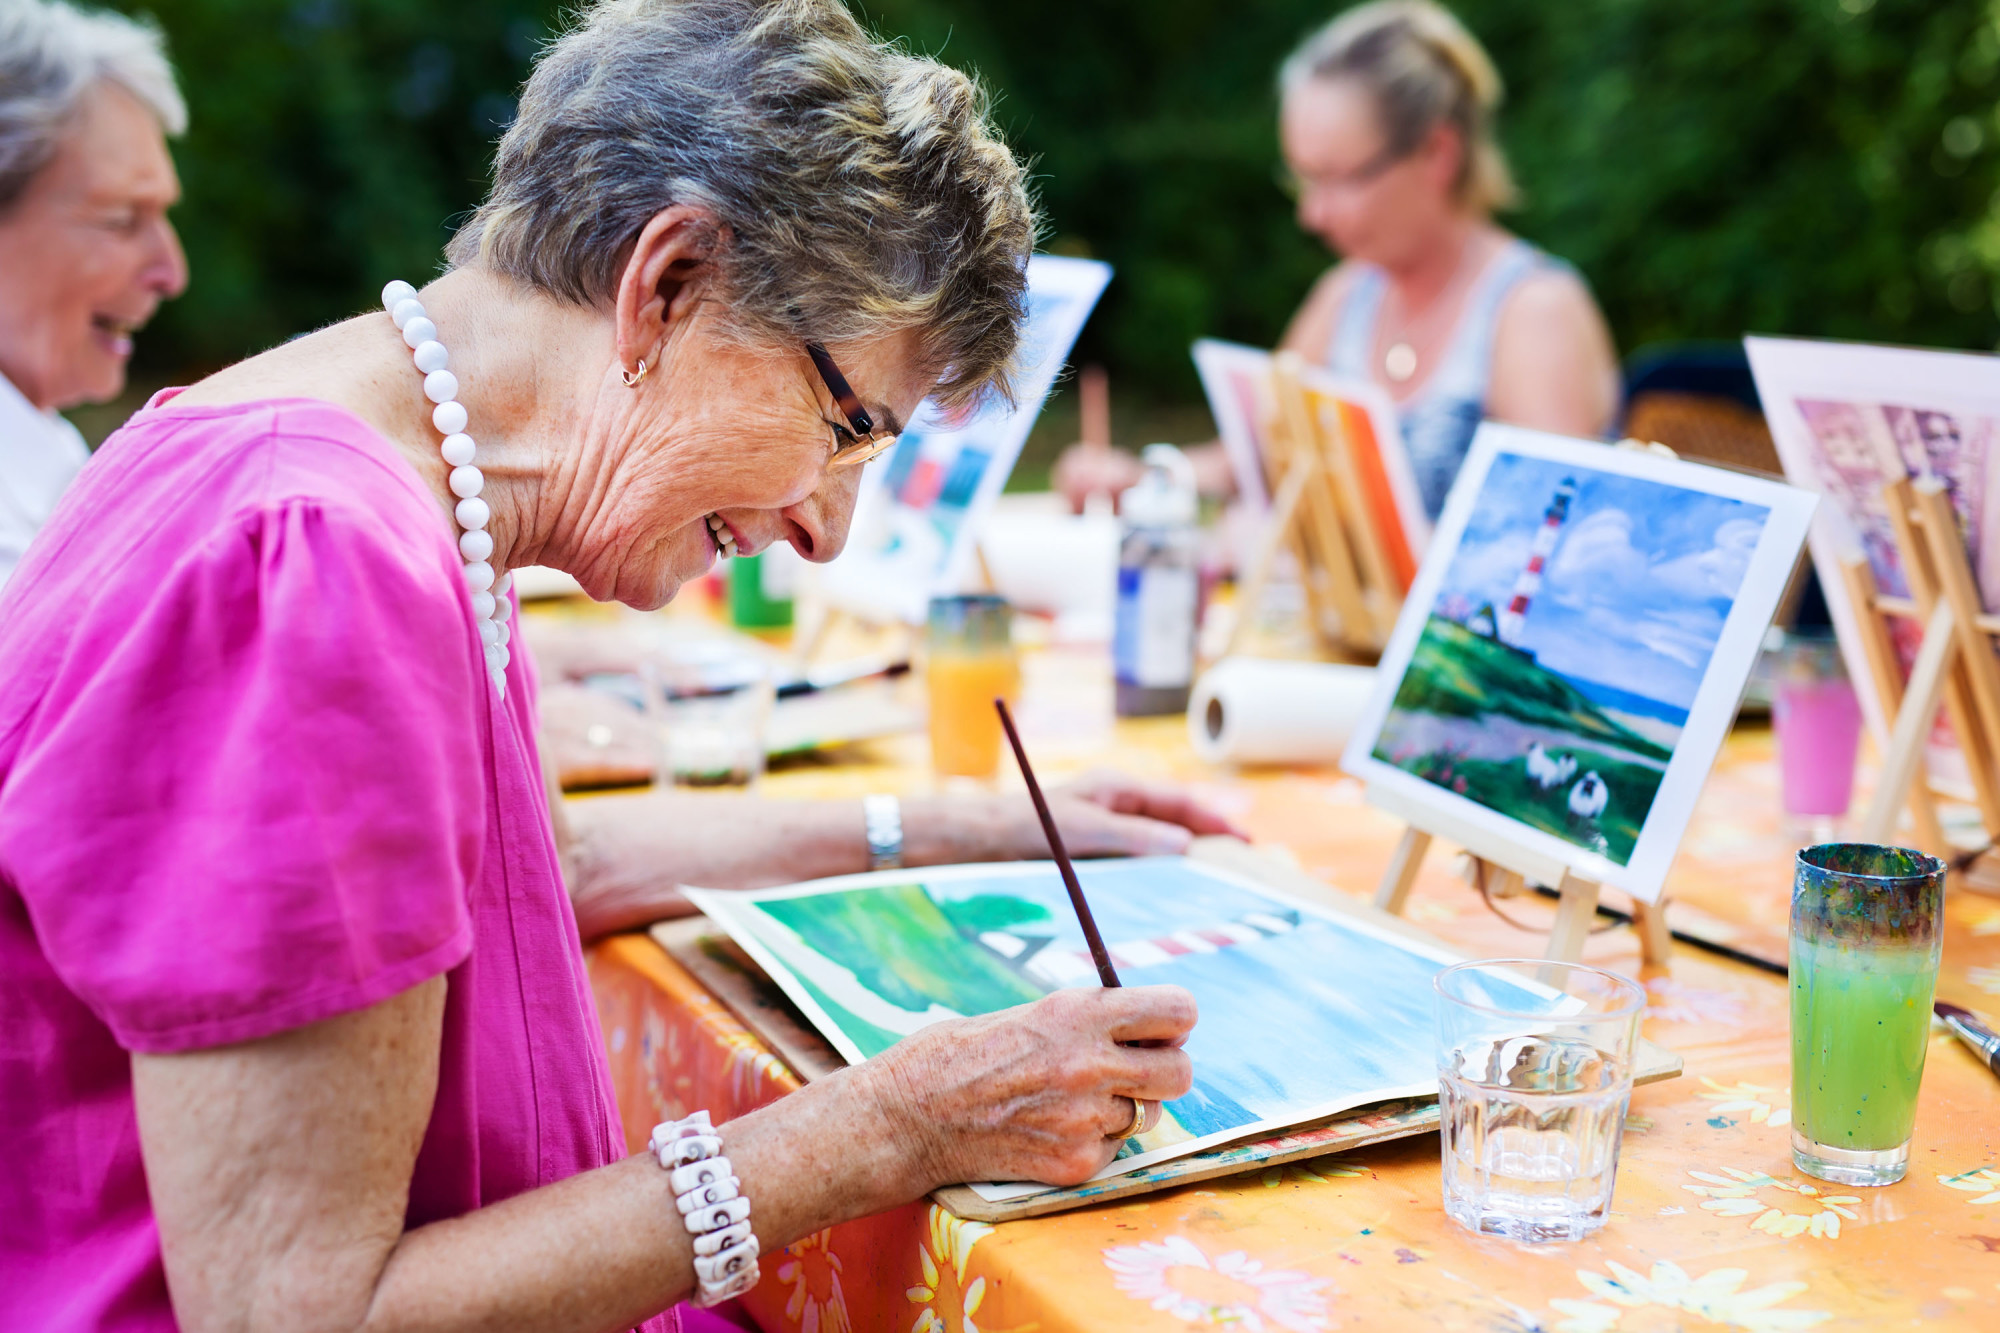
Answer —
632 377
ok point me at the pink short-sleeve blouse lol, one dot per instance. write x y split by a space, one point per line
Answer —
253 775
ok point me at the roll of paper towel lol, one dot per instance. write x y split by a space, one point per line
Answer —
1249 711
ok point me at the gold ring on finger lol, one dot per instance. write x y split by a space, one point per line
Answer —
1145 1115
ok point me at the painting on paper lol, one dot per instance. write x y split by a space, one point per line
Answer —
1577 644
1303 1013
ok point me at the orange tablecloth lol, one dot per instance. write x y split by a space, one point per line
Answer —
1711 1226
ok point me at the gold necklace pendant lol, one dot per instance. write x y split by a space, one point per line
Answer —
1400 362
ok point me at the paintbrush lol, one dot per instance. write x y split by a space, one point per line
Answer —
1967 1027
1098 953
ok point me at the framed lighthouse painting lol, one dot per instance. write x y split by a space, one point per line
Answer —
1574 647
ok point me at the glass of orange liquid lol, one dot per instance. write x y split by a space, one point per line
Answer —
971 663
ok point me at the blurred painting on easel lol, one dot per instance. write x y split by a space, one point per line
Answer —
918 516
1320 460
1851 422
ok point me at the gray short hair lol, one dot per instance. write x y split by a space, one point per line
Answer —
51 54
862 189
1423 69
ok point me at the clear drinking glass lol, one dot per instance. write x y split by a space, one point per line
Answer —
1534 1074
971 662
1818 724
1866 934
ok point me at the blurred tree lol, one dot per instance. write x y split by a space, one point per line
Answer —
1818 167
332 145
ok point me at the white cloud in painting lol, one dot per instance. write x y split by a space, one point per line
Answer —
1639 585
1717 572
1596 562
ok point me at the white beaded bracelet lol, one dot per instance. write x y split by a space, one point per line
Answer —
711 1204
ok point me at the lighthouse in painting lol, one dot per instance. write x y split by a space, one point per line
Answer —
1514 620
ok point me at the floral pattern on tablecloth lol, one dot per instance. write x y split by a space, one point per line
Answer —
1759 1105
809 1273
1717 1296
948 1302
1231 1290
1983 1181
1740 1193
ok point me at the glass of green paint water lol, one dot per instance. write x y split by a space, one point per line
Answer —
1866 928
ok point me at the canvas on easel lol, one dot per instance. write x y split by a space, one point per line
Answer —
1320 459
917 519
1904 446
1569 661
1954 666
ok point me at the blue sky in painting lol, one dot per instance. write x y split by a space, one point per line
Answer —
1642 578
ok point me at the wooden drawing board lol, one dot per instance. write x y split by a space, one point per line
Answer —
729 974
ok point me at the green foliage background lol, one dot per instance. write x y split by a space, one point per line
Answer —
1820 167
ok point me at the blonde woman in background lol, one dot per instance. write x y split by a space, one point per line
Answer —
1387 130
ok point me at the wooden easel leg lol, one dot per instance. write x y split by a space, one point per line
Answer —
1250 592
1903 759
1394 890
1656 941
1574 915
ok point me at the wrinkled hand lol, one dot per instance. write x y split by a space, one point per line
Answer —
1108 813
1034 1092
1084 470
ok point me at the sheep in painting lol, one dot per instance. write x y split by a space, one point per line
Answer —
1545 770
1588 797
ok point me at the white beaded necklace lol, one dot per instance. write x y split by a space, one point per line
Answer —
490 602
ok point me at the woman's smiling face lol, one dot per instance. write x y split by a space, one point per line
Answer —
723 444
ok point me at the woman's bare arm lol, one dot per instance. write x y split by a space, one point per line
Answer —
1311 331
280 1169
1554 367
625 855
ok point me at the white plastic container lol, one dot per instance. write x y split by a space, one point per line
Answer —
1159 587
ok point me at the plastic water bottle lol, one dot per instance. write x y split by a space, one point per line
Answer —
1159 587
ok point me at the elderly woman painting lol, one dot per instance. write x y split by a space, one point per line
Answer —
86 251
298 1031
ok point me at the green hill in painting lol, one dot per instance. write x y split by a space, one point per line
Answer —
898 944
1457 673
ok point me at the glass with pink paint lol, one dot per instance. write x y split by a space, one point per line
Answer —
1818 723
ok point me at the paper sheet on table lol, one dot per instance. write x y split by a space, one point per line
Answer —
1304 1013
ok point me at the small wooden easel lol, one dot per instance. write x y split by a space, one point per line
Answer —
1509 867
1955 665
1319 512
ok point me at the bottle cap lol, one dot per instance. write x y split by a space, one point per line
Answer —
1165 495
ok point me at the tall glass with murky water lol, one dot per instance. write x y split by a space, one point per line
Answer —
1867 926
1534 1075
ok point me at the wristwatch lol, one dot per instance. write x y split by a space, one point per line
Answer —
883 818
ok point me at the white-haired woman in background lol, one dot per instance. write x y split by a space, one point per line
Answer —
297 1029
1386 124
86 251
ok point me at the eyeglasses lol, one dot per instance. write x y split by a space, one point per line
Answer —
866 441
1297 186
